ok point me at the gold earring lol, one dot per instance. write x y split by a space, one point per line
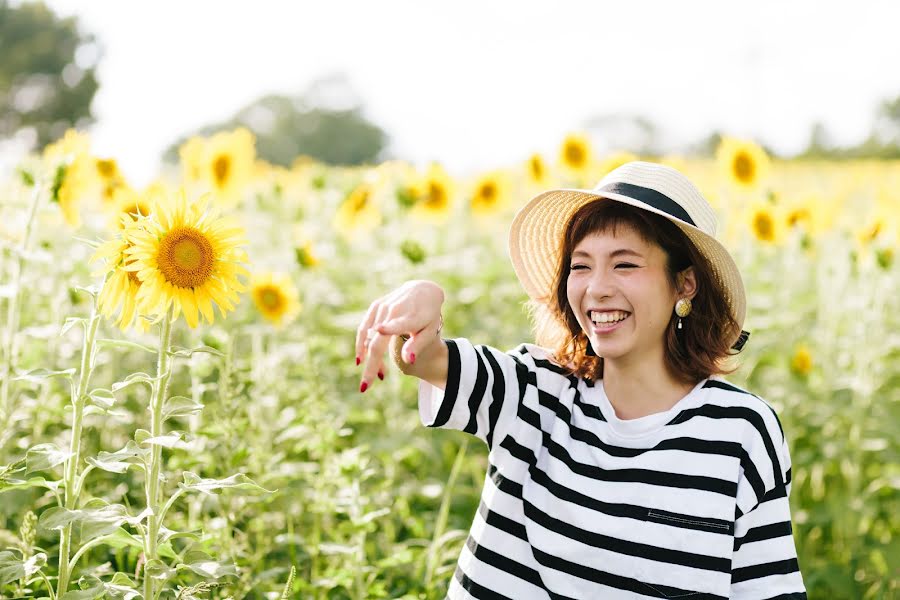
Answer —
682 309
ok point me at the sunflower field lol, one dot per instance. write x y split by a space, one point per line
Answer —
180 414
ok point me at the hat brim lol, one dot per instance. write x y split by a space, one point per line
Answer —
536 233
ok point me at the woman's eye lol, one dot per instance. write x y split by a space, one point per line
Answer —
576 267
626 266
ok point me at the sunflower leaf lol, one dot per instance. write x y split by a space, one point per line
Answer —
125 344
70 322
102 397
13 568
45 456
120 460
180 406
203 564
38 375
133 379
194 482
180 352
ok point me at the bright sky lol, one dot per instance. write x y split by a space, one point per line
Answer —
478 84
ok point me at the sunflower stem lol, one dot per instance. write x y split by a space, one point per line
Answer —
73 482
160 388
12 308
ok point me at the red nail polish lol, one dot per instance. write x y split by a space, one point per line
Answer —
363 387
412 358
381 375
357 361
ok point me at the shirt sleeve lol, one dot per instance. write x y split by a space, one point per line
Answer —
484 389
764 564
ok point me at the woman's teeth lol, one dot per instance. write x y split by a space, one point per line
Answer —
608 317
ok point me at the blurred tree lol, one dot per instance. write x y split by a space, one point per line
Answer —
47 77
883 141
324 122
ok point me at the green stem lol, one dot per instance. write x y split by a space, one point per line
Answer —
12 309
444 512
73 486
160 388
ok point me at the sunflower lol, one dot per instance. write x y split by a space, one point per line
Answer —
434 192
225 162
275 297
128 203
120 290
536 169
73 173
358 212
575 153
490 195
187 257
802 362
765 223
109 177
744 163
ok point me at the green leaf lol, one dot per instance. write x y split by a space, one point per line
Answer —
44 456
203 564
159 570
125 344
94 521
91 589
122 539
39 375
70 322
91 290
180 352
120 460
168 440
8 484
13 567
103 398
207 486
133 379
180 406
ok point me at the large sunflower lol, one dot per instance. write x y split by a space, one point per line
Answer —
187 257
275 297
744 163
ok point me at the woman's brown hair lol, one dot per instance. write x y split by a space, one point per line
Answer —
695 352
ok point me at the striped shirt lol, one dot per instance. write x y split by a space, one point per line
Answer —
577 503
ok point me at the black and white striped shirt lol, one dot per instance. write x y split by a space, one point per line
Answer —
577 503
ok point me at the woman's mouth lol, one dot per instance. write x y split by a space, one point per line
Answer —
607 322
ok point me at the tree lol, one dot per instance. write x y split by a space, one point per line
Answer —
47 79
325 122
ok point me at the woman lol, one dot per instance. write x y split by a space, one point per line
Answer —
621 463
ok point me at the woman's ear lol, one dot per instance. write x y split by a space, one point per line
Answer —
687 283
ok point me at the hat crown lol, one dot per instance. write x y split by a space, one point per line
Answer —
668 182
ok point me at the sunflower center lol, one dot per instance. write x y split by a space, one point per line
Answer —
270 298
185 257
360 201
537 167
436 197
743 167
574 154
106 168
221 169
764 226
488 192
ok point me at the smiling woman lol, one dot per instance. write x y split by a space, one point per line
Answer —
621 465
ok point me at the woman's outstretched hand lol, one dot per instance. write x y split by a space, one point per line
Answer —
414 310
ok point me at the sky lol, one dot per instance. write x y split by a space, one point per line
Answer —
479 84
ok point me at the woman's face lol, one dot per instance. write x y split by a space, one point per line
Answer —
623 276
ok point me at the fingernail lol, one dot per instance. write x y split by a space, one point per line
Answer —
357 361
363 387
380 375
412 358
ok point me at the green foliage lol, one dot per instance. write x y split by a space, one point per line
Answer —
290 126
42 86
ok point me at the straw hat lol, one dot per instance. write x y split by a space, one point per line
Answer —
538 228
